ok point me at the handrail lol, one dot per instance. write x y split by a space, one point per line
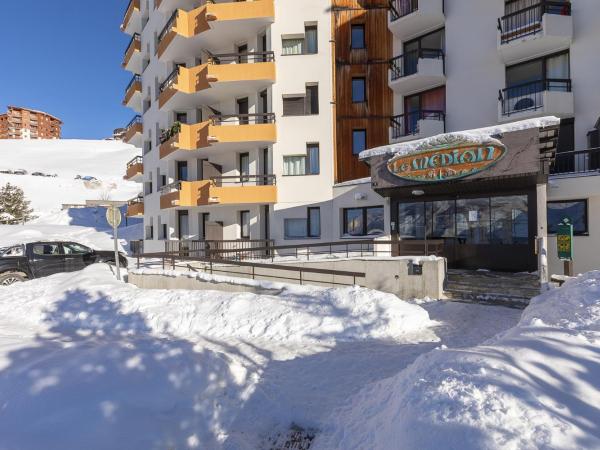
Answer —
168 26
174 186
170 80
136 200
128 6
545 83
240 58
406 64
242 119
134 161
401 127
242 179
401 8
136 78
136 119
527 21
529 96
134 38
576 161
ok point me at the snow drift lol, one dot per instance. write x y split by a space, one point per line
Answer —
534 386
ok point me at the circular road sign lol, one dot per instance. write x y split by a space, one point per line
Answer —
113 216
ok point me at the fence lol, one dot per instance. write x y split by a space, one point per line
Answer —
221 249
407 64
528 21
408 124
530 96
581 161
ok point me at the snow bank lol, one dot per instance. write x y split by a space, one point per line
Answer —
535 386
104 160
476 136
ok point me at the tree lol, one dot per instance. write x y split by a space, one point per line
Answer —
14 207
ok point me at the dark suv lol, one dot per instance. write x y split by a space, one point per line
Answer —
40 259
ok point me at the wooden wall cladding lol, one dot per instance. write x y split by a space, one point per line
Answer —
371 63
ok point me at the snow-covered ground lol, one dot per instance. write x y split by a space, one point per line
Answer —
104 160
536 386
88 362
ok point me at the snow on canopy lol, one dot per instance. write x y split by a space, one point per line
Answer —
478 136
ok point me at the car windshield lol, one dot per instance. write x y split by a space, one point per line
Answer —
16 250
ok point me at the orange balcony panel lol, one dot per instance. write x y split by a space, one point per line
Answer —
190 194
134 171
136 46
135 88
231 195
135 209
241 10
191 137
134 7
260 132
132 131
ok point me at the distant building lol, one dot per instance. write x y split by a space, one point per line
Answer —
119 134
25 123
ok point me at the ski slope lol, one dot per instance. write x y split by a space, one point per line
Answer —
104 160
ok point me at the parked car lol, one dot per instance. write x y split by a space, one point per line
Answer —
6 171
40 259
88 178
19 172
37 174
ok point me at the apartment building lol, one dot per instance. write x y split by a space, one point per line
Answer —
460 65
25 123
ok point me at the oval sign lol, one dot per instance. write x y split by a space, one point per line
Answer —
446 163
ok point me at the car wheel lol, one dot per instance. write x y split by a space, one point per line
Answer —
8 278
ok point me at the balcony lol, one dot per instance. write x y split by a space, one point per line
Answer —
133 55
134 132
411 17
207 25
135 207
550 97
582 162
224 76
232 190
416 71
135 169
417 125
168 6
133 94
132 21
544 28
221 133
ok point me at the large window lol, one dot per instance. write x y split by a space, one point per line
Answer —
366 221
359 141
357 37
574 210
301 45
302 228
359 90
294 165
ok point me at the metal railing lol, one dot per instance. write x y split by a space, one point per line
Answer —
408 124
528 21
134 161
253 180
136 200
169 81
134 79
242 119
221 249
529 96
135 38
579 161
407 64
401 8
240 58
136 119
171 187
170 24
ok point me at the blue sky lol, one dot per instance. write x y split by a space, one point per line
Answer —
64 57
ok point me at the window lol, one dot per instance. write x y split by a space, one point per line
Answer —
359 90
357 36
301 45
359 141
72 248
302 105
245 224
46 249
294 165
310 227
363 221
574 210
164 232
314 222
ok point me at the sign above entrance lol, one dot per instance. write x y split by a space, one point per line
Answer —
446 163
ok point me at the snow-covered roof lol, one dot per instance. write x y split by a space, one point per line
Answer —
353 182
476 136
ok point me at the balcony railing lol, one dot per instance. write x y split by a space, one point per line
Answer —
134 79
137 119
240 58
528 21
530 96
135 161
581 161
401 8
252 180
408 124
242 119
136 201
170 24
135 38
169 81
407 64
171 187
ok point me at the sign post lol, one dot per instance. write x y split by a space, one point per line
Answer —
113 217
564 245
